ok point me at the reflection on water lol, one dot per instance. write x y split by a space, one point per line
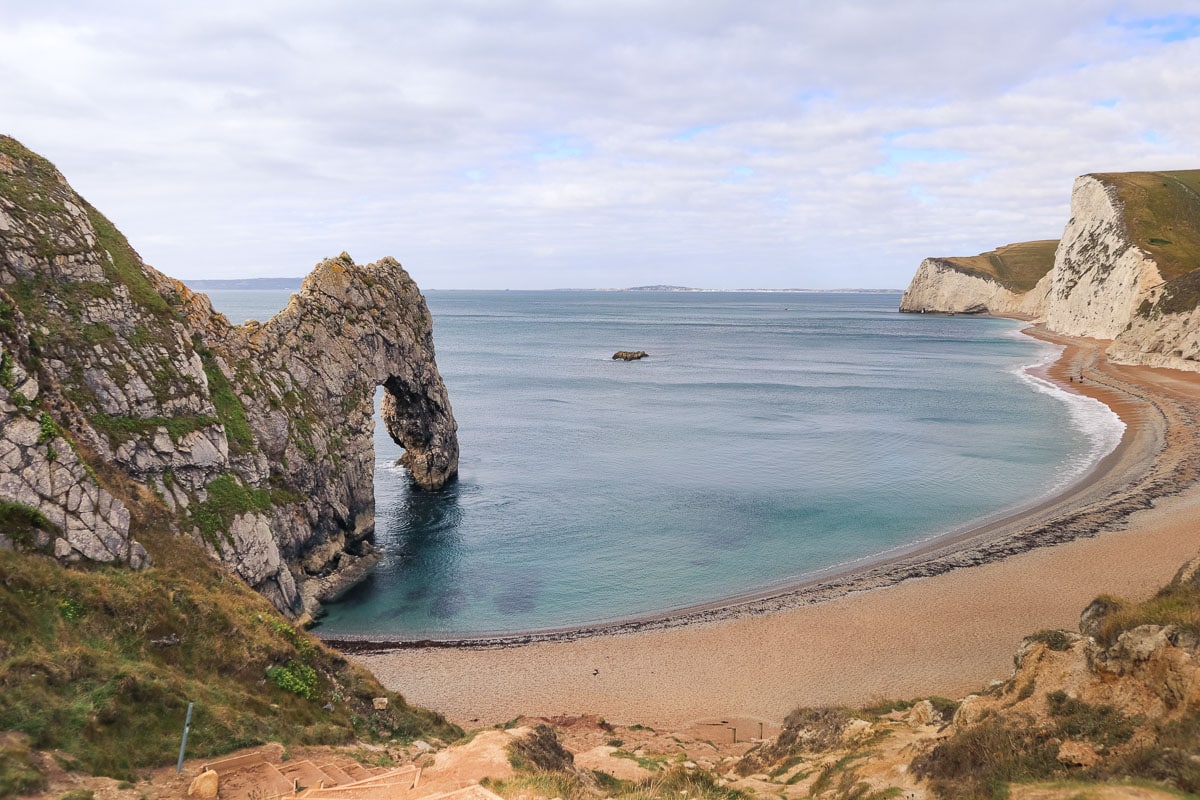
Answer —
418 535
421 525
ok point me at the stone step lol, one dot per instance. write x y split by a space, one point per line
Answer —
306 773
261 781
366 791
353 768
337 776
405 775
272 752
472 792
399 782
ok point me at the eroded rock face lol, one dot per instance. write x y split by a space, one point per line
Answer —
1102 285
1099 276
257 439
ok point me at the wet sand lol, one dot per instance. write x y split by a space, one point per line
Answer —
915 625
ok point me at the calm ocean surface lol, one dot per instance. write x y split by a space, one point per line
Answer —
768 437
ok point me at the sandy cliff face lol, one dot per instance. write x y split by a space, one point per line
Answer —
257 439
1104 282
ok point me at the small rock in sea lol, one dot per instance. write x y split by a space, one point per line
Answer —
629 355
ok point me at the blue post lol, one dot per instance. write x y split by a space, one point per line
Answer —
187 725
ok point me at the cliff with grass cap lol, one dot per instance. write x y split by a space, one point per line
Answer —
1127 269
254 440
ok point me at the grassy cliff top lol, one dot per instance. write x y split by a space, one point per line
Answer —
99 663
1162 212
1017 267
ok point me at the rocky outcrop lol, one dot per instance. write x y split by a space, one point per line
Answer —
1115 275
256 438
629 355
941 286
40 470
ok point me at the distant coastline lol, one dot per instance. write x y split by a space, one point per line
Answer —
661 288
245 283
293 284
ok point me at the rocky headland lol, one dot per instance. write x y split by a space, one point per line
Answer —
124 397
1126 269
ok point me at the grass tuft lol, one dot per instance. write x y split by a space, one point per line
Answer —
1059 641
1176 604
1078 720
540 751
229 408
21 523
980 761
227 498
19 773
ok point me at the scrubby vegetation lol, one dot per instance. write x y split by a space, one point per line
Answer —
101 664
981 760
229 407
20 523
672 784
1179 296
1055 640
540 751
18 770
1176 604
227 497
804 729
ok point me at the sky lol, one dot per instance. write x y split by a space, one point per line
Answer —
595 143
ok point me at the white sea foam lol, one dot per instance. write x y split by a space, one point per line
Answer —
1096 421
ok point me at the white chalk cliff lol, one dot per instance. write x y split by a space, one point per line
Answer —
1109 279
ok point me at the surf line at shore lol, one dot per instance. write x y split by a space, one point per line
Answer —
1100 498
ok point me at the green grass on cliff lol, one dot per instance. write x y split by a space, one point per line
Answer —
101 663
1017 267
1162 212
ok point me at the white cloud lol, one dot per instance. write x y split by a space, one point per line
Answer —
543 144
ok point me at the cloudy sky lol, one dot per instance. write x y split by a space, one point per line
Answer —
589 143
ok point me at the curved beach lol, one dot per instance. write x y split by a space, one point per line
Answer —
925 627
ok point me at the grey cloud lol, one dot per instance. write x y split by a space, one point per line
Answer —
529 144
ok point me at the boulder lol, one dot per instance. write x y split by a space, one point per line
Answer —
204 786
1077 754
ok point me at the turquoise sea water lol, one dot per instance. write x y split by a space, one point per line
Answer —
768 437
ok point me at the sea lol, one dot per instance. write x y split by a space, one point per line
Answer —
767 439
